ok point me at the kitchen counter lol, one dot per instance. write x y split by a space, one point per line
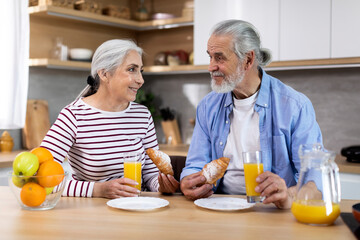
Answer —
6 159
91 218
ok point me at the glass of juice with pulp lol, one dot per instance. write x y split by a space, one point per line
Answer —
253 167
132 167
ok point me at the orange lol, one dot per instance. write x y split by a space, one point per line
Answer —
50 173
32 194
43 154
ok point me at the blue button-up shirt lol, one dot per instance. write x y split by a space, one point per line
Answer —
286 120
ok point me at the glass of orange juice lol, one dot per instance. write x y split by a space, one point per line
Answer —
253 167
132 167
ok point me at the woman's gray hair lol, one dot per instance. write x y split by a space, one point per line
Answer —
245 38
107 57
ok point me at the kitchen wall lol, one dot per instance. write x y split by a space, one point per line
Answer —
334 93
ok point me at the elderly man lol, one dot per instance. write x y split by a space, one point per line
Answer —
248 110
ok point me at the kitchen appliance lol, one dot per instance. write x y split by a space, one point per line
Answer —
352 153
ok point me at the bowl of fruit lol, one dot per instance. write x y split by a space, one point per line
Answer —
37 180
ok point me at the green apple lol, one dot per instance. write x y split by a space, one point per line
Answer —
18 181
49 190
25 164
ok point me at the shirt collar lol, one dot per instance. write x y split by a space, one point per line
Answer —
264 92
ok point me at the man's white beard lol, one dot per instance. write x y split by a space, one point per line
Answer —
229 83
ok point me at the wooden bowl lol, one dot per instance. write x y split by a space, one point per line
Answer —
356 211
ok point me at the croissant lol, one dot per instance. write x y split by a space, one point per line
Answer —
161 160
215 169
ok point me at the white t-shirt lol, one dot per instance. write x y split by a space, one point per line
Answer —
243 136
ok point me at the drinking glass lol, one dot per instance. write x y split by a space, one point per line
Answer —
253 167
132 167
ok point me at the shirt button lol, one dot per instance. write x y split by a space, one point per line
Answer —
221 143
265 105
227 121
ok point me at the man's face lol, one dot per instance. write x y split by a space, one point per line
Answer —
224 67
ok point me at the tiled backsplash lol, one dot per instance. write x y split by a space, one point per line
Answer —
335 94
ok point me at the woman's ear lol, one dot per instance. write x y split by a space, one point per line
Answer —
102 75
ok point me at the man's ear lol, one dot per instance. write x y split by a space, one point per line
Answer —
250 59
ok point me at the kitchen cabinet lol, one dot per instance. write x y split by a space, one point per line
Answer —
304 29
251 11
89 30
81 29
296 40
345 21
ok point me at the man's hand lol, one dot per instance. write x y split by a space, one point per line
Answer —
273 187
194 187
167 183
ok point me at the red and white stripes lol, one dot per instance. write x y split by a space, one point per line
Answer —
93 142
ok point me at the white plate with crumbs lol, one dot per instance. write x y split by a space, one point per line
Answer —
223 203
138 203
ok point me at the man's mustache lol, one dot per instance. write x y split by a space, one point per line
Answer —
217 74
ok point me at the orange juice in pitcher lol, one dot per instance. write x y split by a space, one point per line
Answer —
315 211
318 192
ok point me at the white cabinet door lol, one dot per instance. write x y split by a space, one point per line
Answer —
304 29
345 31
263 14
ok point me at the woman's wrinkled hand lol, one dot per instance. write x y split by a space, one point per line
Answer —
167 183
116 188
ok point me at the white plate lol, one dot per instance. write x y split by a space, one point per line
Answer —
223 203
138 203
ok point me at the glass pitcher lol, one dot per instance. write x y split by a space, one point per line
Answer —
317 199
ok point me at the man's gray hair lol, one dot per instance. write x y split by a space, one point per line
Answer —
245 38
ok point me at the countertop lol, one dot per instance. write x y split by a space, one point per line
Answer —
91 218
182 149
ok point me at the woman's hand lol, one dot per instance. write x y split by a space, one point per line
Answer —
273 187
116 188
194 187
167 183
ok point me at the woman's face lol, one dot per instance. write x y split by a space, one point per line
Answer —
127 79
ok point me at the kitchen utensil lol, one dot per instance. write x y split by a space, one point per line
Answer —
81 54
356 211
158 16
37 123
318 192
351 153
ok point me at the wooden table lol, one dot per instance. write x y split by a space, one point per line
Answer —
91 218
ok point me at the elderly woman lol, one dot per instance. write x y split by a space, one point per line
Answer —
103 123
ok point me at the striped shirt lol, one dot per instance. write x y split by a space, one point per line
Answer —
94 140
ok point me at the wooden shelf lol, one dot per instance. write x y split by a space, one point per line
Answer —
57 64
314 64
48 10
183 69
